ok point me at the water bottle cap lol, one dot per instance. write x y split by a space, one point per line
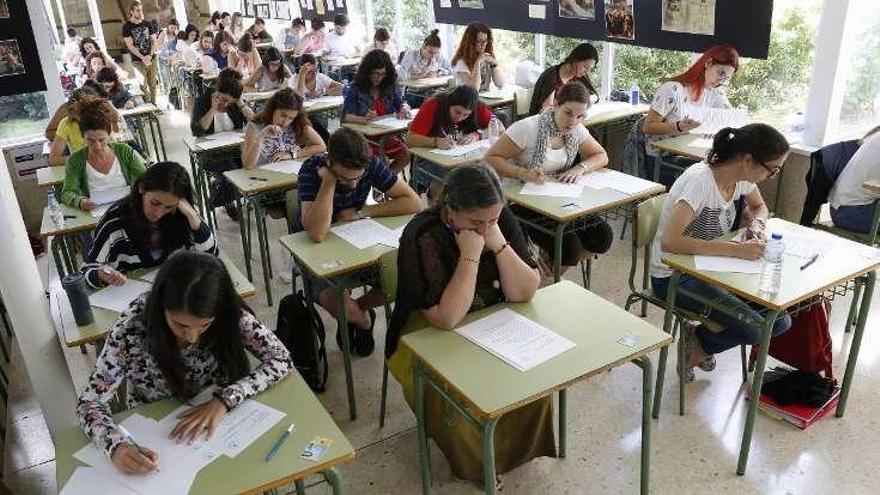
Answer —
776 236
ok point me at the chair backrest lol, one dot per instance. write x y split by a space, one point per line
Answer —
826 164
633 157
291 200
647 219
388 274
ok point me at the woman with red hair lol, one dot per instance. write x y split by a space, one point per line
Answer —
699 86
474 62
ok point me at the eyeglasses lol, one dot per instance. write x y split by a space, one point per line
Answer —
772 172
343 178
378 73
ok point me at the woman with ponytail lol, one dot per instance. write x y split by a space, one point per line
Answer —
700 209
576 67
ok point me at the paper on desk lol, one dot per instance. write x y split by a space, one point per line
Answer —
284 166
515 339
393 237
496 94
93 481
117 298
362 233
606 107
713 120
391 121
555 189
612 179
100 210
323 99
702 143
109 196
805 247
150 276
726 264
463 149
221 139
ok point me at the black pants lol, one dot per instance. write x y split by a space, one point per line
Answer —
595 236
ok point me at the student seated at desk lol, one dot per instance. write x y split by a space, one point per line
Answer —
852 206
258 31
92 88
576 67
451 118
310 83
700 208
294 33
191 331
89 46
68 135
425 61
474 62
699 86
282 131
192 56
373 95
313 41
271 74
236 25
116 92
222 109
245 57
100 165
333 188
546 145
382 41
336 43
144 228
217 58
465 254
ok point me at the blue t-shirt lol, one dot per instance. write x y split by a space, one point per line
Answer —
377 175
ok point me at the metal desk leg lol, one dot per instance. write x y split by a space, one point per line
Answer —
644 363
856 343
197 184
342 326
664 352
260 220
245 236
155 120
68 255
56 254
489 456
332 476
562 413
757 380
300 487
557 252
424 457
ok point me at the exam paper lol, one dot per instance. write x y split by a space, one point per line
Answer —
284 166
93 481
117 298
323 99
393 237
612 179
362 233
726 264
391 121
221 139
515 339
713 120
463 149
607 107
150 276
495 94
804 247
555 189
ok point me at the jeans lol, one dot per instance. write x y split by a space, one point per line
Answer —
854 218
151 76
424 173
735 331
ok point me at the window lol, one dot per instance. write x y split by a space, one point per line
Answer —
861 73
22 115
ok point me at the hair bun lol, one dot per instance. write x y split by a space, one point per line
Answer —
435 32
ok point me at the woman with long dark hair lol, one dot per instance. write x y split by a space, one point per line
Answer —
144 228
373 95
282 131
474 63
190 332
217 58
116 92
576 67
245 57
272 74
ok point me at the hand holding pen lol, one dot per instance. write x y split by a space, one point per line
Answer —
131 458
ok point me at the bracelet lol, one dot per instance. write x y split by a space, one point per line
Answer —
581 165
471 260
502 248
222 400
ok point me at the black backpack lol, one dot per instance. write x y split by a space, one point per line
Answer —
301 330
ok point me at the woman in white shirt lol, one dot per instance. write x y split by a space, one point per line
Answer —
699 86
245 57
311 84
382 41
544 145
701 208
852 206
474 62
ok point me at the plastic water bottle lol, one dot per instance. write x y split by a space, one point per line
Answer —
771 270
634 93
345 88
494 130
55 212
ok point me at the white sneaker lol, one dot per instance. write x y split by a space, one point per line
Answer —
286 273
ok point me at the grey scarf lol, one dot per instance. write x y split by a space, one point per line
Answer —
547 130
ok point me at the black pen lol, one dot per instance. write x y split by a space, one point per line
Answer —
810 261
259 178
69 217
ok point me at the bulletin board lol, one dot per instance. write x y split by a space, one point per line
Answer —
325 9
687 25
20 69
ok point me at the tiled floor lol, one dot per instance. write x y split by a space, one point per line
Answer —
695 453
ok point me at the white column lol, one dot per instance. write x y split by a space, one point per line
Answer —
826 90
54 94
399 39
541 50
370 21
607 69
56 38
180 14
96 22
60 8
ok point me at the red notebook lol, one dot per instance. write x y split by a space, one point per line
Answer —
799 415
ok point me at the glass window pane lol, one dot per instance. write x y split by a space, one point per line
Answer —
510 48
556 48
861 73
22 115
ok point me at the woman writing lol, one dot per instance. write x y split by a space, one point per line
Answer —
294 33
119 96
218 57
68 135
546 144
576 67
701 208
280 132
271 74
425 61
465 254
245 58
474 62
313 41
191 331
222 109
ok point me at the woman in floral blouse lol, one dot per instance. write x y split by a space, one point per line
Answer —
191 331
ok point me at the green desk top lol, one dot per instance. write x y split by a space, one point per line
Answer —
845 261
247 472
426 82
342 62
493 102
313 106
688 145
871 185
145 109
50 176
193 144
607 112
258 95
447 161
493 387
334 256
591 200
376 131
250 182
82 221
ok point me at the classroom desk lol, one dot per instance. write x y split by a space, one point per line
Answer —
51 177
426 83
561 215
339 63
76 222
329 105
147 116
827 277
257 96
332 260
247 473
380 134
447 162
606 116
197 158
95 332
870 185
253 186
491 388
507 101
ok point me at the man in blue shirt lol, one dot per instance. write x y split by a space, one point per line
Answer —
334 188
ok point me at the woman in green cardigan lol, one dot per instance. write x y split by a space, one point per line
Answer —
100 171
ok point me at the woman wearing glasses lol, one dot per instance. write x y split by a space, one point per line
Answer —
576 67
699 86
700 209
474 63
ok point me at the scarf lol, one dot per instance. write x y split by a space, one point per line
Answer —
547 130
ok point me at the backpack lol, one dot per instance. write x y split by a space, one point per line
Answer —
807 344
301 330
174 98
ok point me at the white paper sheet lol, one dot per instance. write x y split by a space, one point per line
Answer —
93 481
496 94
392 121
284 166
463 149
607 107
726 264
221 139
109 196
612 179
323 99
515 339
117 298
362 233
805 247
702 143
555 189
713 120
393 237
150 276
100 210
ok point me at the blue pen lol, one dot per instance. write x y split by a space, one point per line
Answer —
279 443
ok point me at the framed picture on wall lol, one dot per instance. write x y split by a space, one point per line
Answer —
281 9
4 10
11 63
